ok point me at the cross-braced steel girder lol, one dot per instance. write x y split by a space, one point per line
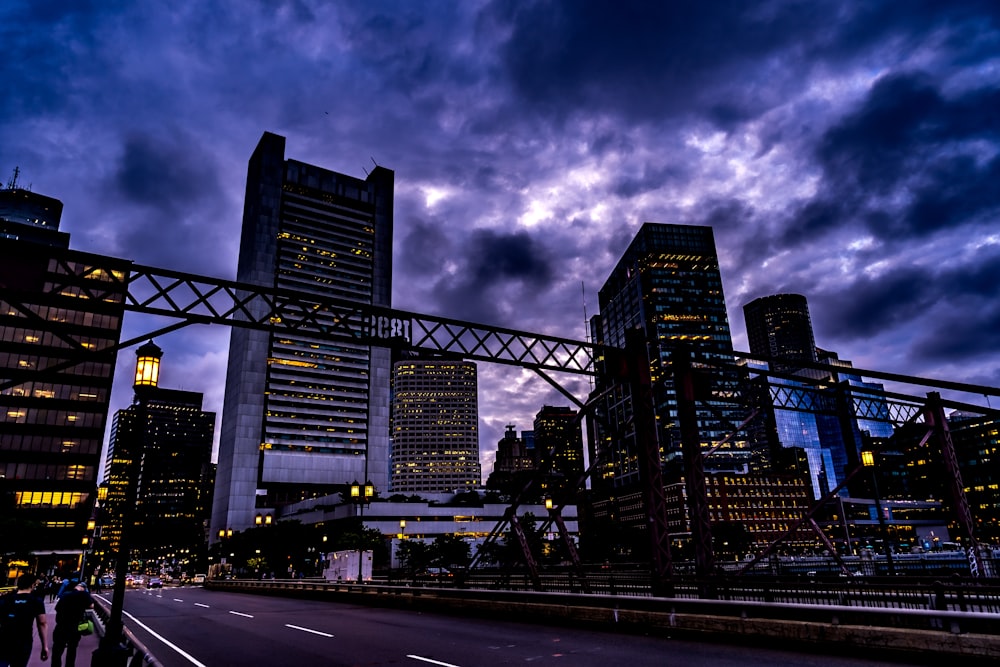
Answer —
195 299
216 301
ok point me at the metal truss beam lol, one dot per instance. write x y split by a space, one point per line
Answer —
216 301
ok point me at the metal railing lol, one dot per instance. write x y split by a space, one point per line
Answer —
137 655
940 608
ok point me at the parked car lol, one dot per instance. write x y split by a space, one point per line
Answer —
438 572
198 579
154 582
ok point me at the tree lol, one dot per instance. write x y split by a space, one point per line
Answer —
413 555
450 551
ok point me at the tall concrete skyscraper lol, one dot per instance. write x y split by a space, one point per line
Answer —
306 414
435 426
667 284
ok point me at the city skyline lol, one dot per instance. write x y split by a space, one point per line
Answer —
847 153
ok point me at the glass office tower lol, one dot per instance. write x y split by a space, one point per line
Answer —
306 414
779 326
557 430
162 443
668 285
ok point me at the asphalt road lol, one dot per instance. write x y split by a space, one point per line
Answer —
192 626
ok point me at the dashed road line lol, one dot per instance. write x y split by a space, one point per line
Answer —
198 604
433 662
240 613
315 632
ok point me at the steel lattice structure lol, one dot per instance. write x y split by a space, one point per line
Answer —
216 301
195 299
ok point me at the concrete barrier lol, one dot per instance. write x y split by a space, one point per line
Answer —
847 630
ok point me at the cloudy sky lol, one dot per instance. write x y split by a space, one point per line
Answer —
845 150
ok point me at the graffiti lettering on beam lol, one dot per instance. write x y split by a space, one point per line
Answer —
386 328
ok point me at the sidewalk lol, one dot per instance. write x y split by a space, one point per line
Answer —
87 645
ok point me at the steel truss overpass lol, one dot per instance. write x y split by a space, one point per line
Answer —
195 299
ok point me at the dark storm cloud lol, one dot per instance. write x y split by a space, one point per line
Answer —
423 250
868 306
167 210
651 178
167 174
647 60
910 145
725 62
952 310
497 274
38 38
968 324
964 336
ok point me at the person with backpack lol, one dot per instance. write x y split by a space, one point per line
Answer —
18 612
70 612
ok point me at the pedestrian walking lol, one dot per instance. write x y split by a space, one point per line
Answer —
70 612
18 612
55 582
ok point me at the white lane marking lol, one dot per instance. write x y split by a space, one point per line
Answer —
164 640
198 604
178 600
315 632
239 613
433 662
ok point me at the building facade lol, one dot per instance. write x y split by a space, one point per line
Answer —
162 443
306 413
58 309
558 433
29 216
667 285
435 426
779 326
977 444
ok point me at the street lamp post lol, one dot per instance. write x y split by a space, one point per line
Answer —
361 495
868 460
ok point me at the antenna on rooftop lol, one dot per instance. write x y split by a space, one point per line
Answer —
12 183
373 161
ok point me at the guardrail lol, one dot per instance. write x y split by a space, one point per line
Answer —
842 623
135 652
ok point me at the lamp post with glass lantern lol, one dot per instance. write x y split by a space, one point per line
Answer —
361 495
147 372
868 461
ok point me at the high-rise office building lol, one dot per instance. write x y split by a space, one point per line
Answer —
558 432
306 413
29 216
512 454
435 426
163 444
779 326
58 309
667 284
